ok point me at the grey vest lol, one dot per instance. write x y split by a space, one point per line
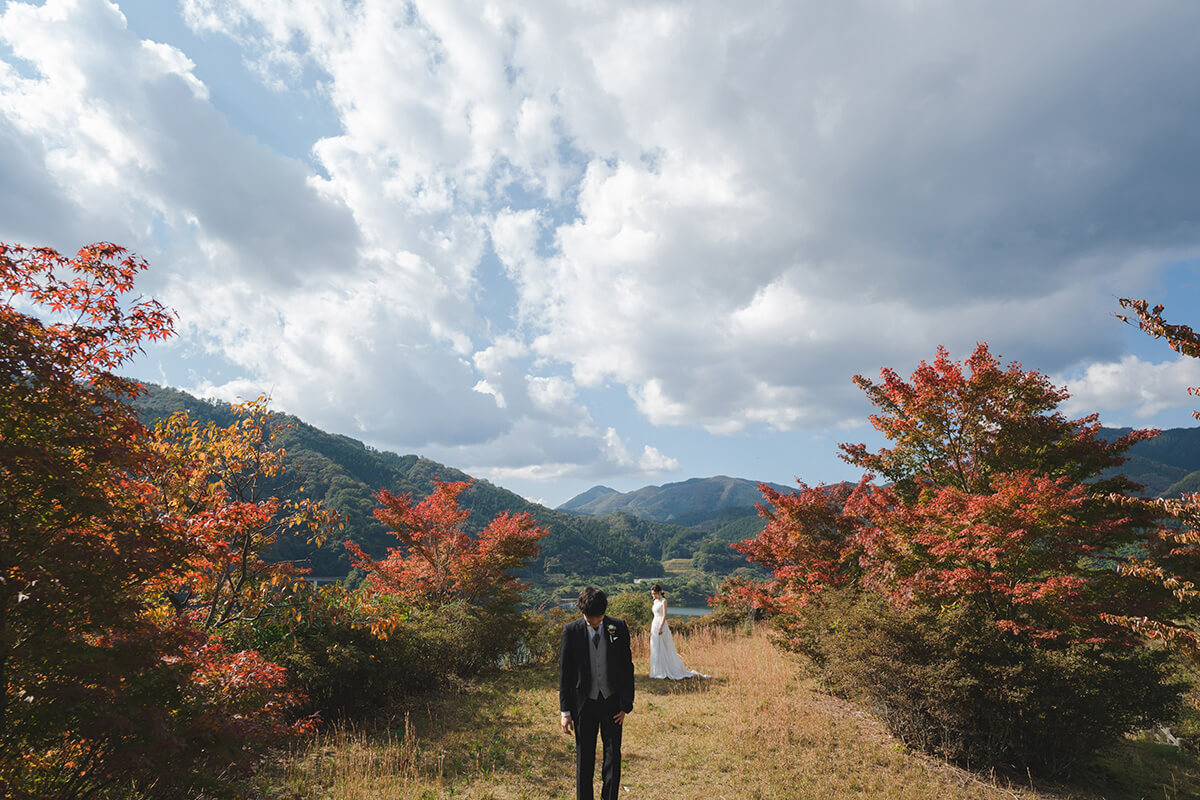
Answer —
599 659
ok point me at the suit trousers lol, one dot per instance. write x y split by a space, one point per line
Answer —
596 716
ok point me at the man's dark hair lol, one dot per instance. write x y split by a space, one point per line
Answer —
593 602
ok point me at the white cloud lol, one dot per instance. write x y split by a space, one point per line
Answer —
725 210
483 387
129 140
348 297
1133 386
649 462
587 454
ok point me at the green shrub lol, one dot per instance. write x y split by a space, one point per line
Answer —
542 635
346 670
951 683
687 624
633 607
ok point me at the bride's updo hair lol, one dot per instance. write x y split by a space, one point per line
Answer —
657 589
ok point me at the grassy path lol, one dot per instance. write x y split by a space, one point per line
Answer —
759 730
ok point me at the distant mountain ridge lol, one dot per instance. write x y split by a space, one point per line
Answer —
1166 466
696 499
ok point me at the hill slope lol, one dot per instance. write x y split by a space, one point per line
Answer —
1160 463
345 474
600 532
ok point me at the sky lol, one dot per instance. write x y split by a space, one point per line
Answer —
625 243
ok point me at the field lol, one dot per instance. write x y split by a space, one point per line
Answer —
679 566
760 729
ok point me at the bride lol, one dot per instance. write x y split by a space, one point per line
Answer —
664 661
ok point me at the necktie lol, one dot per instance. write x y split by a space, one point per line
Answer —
596 639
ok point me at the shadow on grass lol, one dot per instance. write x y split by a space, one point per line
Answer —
1135 769
664 686
1139 768
485 726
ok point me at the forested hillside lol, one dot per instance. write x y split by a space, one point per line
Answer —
1165 465
345 474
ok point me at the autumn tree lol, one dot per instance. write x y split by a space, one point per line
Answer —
213 483
438 562
961 424
984 567
1171 558
105 690
76 545
806 545
444 588
209 485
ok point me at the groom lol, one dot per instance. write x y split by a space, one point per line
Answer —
595 691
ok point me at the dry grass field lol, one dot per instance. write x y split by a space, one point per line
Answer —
758 730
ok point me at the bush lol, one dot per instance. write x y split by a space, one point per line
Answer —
633 607
542 634
733 616
683 625
951 683
348 670
996 558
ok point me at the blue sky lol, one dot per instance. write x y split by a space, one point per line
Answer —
562 244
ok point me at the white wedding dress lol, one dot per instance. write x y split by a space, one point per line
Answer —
664 660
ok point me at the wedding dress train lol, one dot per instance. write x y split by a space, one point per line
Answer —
664 660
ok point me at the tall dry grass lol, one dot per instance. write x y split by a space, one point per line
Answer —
759 729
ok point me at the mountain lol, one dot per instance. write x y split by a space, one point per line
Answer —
345 474
723 508
1189 484
696 500
1162 462
593 497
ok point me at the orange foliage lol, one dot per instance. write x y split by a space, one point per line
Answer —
98 686
992 505
209 488
438 562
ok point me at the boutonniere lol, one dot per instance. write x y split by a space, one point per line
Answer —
612 633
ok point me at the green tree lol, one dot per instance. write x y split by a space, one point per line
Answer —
633 607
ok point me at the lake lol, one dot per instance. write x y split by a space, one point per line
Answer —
672 611
687 611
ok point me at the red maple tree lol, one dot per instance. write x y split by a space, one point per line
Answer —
993 502
438 562
101 686
806 545
76 546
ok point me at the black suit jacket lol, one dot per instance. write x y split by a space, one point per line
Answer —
575 665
